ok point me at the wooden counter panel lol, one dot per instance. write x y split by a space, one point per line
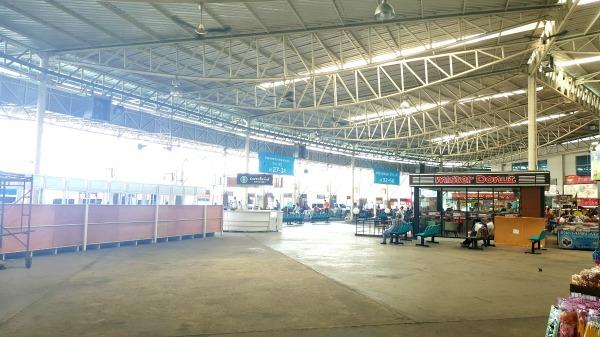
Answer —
62 225
517 231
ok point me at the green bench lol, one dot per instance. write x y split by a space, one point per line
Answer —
537 239
402 230
430 231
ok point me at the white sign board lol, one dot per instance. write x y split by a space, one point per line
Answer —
595 160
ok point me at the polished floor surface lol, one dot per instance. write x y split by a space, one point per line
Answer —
312 280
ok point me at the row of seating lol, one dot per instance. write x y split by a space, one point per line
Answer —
320 217
432 231
289 218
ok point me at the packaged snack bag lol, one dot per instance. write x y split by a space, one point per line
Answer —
553 321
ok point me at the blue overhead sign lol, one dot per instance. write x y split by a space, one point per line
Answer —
276 164
386 177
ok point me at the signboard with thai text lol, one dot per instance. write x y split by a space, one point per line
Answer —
386 177
254 179
276 164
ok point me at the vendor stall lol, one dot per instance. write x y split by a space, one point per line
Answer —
457 200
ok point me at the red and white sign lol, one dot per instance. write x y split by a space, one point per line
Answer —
475 179
576 180
454 180
496 180
587 202
475 195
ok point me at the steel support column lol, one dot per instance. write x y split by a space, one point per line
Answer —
42 104
247 152
352 164
531 123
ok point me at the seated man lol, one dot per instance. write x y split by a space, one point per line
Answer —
396 224
480 230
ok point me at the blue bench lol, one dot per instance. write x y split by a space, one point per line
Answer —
320 217
288 218
537 239
402 230
430 231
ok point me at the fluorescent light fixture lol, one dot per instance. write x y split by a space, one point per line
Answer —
406 110
545 118
458 136
584 139
393 113
11 73
582 60
498 95
580 3
448 138
474 38
511 31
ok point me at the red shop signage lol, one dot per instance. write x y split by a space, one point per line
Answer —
474 179
587 202
474 195
532 178
575 180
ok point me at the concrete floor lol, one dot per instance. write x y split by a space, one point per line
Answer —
314 280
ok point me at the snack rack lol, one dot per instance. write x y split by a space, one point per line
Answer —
586 292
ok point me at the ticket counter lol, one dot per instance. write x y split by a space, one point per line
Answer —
252 221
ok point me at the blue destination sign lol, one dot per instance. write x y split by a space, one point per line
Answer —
276 164
254 179
387 177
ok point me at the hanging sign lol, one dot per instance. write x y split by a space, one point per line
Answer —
595 162
254 179
386 177
276 164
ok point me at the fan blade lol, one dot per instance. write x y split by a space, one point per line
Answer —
225 29
182 23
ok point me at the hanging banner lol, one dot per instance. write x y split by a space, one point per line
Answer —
595 162
254 179
386 177
276 164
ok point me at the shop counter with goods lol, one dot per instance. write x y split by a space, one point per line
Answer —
579 314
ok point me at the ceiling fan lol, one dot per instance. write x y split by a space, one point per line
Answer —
200 30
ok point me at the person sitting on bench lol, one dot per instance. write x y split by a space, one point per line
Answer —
396 224
481 229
